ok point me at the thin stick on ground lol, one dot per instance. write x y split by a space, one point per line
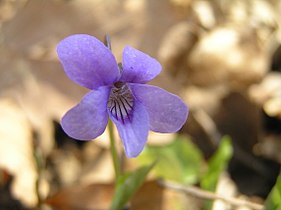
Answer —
199 193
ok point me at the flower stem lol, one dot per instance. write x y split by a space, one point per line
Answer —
113 150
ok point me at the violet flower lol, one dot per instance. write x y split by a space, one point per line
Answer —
118 92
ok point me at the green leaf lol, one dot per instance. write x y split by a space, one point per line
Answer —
179 161
127 185
216 165
273 201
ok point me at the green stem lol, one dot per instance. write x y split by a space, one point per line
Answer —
113 150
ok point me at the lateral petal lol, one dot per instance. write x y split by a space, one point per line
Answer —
88 119
167 112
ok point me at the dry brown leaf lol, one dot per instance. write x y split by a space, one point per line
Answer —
267 94
16 151
176 46
270 147
183 5
17 82
97 165
205 12
151 196
273 107
90 197
143 28
207 99
228 56
9 8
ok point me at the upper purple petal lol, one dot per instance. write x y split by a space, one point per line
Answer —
133 131
167 112
88 119
138 67
87 61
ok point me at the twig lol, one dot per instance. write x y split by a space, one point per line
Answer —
208 125
197 192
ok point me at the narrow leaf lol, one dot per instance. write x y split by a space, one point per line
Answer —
184 157
127 186
273 201
216 165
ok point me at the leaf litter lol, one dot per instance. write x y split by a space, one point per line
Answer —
221 65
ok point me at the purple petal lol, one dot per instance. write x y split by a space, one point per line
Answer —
133 131
167 112
138 67
88 119
87 61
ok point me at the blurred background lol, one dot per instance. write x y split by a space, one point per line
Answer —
223 57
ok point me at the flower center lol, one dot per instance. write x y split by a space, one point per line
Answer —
121 101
